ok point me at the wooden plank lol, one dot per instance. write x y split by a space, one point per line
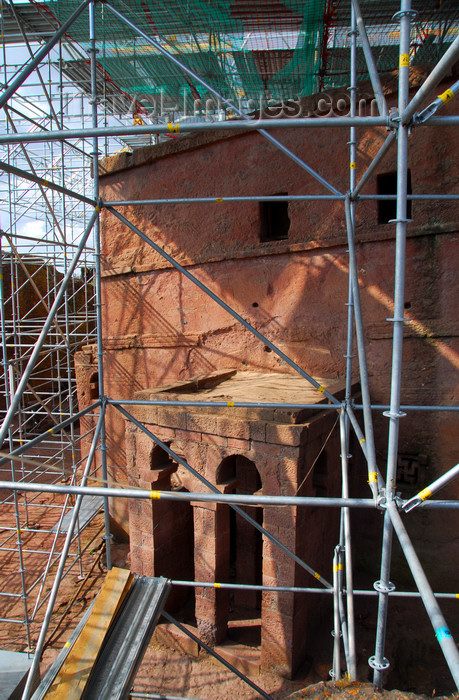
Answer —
70 682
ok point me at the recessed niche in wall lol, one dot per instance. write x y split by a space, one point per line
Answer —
387 208
274 219
94 386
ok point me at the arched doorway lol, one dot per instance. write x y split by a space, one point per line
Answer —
173 535
244 549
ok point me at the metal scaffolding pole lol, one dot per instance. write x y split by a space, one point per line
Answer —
431 82
344 420
374 478
244 126
185 497
378 662
374 77
97 245
213 653
428 491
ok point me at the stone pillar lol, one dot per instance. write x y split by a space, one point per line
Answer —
150 544
277 619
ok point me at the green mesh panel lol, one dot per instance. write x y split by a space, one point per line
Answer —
246 50
251 51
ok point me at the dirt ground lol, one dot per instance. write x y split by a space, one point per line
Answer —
168 672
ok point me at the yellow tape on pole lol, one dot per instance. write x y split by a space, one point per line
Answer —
404 60
446 96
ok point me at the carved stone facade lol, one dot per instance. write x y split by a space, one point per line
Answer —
248 451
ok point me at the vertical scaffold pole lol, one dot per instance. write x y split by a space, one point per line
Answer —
344 418
97 246
336 618
374 478
346 519
384 587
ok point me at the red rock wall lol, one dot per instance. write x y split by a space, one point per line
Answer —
158 327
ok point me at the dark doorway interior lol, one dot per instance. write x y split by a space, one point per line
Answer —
244 551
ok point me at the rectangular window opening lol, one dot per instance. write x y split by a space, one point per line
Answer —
275 221
387 208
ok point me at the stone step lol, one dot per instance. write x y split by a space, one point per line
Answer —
168 634
245 659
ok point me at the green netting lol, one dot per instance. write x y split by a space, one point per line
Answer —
250 51
433 29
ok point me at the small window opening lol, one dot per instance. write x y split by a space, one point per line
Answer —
94 386
387 208
275 221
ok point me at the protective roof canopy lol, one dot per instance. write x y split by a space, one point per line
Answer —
250 51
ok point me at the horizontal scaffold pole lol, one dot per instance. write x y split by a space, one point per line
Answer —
298 589
228 498
221 200
254 404
6 457
219 404
233 125
271 198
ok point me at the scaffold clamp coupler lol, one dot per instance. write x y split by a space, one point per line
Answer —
394 414
411 503
383 587
412 14
378 666
401 319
